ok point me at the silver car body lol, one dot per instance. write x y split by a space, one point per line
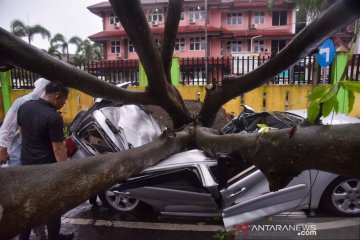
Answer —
246 198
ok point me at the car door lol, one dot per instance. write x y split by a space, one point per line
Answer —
248 197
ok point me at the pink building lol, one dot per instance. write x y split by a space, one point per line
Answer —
235 28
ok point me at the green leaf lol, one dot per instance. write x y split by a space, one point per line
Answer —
351 101
317 92
330 93
264 128
351 86
328 106
313 111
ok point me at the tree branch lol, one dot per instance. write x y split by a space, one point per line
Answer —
131 14
339 14
282 156
132 18
170 33
29 201
16 52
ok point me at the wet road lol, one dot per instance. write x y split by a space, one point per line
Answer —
93 223
97 223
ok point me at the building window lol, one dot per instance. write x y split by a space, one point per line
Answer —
182 16
197 43
155 15
196 13
115 46
258 46
234 18
113 18
234 46
131 47
180 44
259 17
279 18
277 45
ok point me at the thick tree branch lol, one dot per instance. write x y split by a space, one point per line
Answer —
45 191
170 32
132 17
16 52
282 156
339 14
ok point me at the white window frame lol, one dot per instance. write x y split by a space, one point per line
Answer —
180 44
156 14
234 46
258 46
234 18
115 46
259 17
197 13
131 47
197 43
113 18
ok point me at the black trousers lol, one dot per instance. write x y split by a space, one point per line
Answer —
53 229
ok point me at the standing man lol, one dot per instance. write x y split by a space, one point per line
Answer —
41 128
10 142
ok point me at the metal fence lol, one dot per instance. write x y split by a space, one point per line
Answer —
193 71
115 72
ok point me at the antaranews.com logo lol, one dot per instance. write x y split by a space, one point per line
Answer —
300 228
296 229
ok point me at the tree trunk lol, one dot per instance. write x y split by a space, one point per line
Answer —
45 191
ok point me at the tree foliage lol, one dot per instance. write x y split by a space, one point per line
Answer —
279 154
59 41
20 29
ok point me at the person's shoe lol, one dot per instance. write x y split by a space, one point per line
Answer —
66 236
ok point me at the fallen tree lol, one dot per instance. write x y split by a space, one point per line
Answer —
31 195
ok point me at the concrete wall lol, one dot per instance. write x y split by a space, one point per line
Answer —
269 98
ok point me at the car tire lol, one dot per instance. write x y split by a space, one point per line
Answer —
119 202
342 197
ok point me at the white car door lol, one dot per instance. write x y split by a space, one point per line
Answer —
248 198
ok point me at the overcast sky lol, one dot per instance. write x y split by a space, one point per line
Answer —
68 17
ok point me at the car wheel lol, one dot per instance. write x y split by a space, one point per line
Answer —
119 201
342 197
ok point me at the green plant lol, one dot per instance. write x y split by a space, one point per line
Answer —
66 132
323 99
223 235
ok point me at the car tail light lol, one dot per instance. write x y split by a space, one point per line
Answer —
70 146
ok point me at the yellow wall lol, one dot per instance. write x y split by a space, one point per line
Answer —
273 99
76 102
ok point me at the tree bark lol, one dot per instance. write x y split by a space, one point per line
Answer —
171 27
131 14
45 191
284 154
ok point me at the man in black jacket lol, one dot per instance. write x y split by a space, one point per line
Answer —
42 132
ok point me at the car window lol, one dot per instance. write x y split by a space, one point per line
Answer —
94 140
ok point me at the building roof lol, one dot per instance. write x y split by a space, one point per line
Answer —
158 30
257 32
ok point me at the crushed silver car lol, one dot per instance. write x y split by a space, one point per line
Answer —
192 184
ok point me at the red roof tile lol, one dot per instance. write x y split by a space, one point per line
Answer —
182 29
